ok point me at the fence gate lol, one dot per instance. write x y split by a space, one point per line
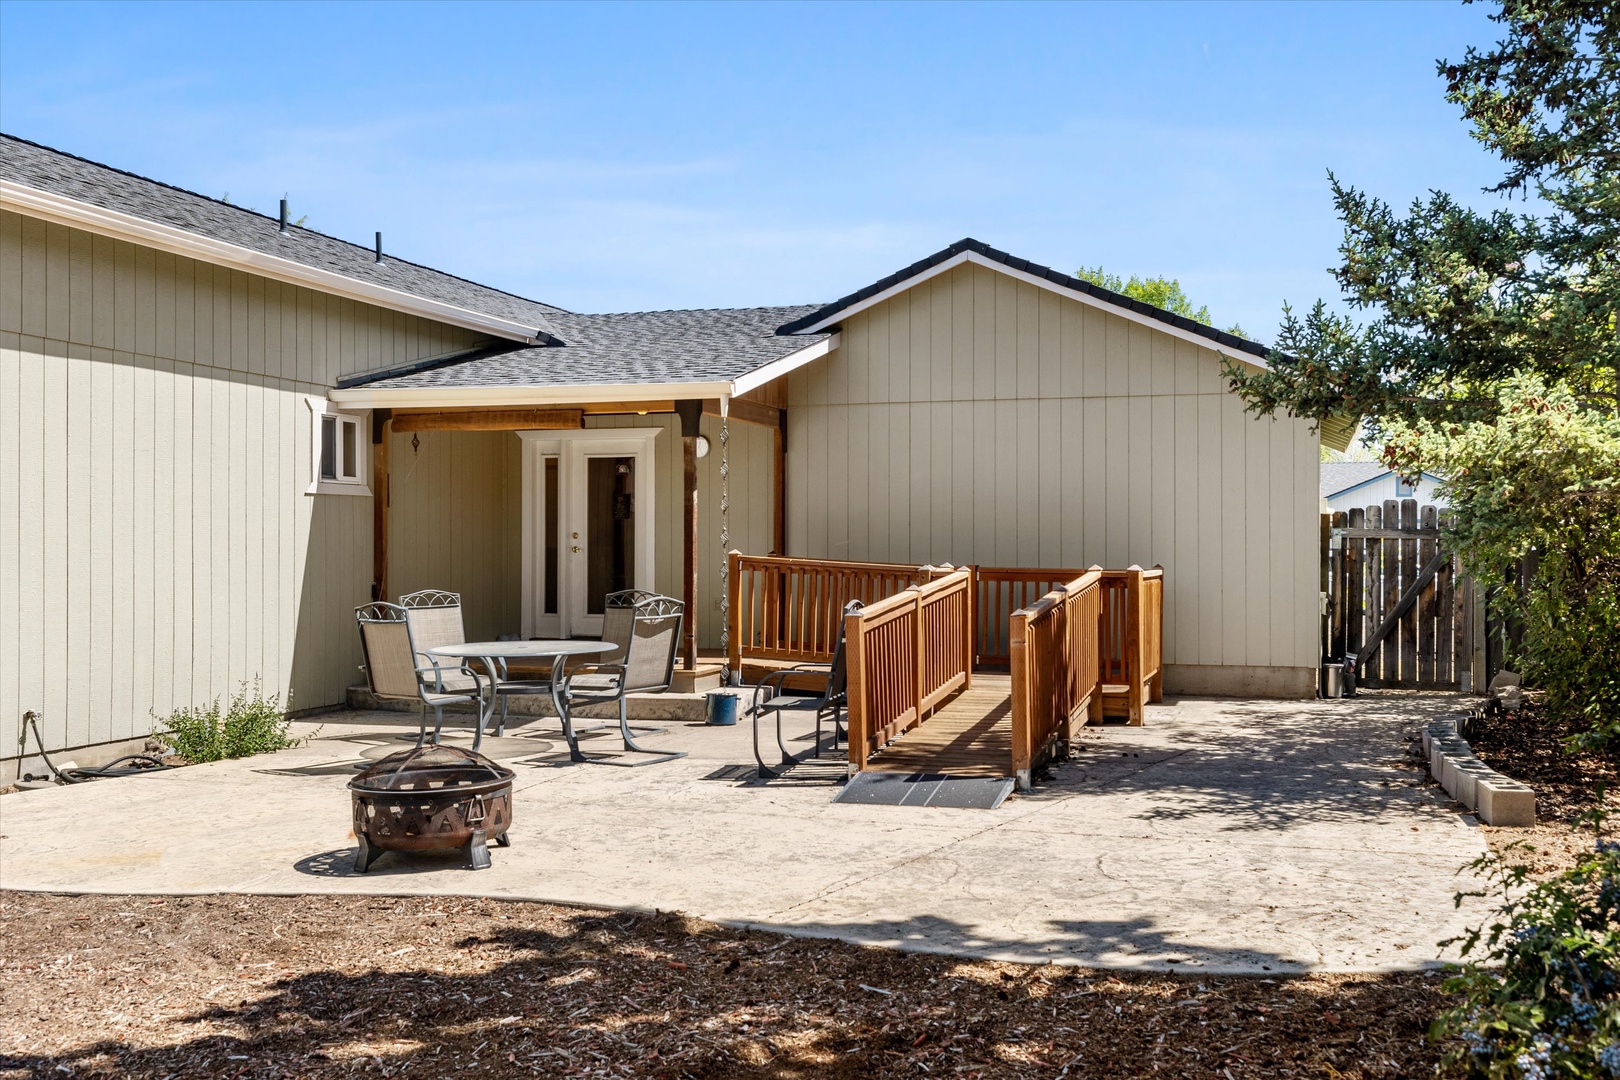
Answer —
1395 601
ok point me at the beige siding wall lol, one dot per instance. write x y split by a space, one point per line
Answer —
976 418
156 544
456 522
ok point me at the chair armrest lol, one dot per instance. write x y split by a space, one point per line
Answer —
596 669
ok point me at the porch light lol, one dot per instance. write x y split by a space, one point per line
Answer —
702 446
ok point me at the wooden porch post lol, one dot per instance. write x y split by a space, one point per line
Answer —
779 487
691 415
379 503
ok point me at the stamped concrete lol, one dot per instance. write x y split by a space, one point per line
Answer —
1225 835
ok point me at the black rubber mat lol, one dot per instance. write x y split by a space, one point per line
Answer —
926 789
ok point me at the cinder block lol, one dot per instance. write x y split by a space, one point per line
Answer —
1504 802
1469 772
1445 749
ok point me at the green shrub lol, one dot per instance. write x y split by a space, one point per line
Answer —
1541 993
253 724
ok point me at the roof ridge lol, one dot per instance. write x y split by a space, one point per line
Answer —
1068 281
266 217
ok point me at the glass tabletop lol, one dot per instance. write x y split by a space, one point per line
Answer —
524 649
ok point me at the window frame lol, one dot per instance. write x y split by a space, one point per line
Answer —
359 483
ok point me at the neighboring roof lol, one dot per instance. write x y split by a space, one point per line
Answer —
45 169
718 345
1341 476
820 316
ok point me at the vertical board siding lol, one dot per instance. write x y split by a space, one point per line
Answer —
1034 430
156 545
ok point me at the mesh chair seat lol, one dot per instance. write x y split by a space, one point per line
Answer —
648 664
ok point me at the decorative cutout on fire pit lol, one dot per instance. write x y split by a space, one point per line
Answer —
431 797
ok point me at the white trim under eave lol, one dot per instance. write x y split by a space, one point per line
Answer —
62 210
753 380
468 397
1050 286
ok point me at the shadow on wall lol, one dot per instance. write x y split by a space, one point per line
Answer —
326 654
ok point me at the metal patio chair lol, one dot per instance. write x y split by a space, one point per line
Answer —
830 698
392 670
433 618
618 617
647 666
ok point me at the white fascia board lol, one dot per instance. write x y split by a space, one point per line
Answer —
1040 282
62 210
469 397
777 368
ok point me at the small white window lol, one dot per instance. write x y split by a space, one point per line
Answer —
338 454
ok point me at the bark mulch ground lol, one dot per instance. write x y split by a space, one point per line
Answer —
239 986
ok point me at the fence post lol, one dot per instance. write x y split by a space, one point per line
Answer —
1156 685
1134 712
972 630
1018 650
855 691
919 668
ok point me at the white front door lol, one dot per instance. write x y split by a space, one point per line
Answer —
587 525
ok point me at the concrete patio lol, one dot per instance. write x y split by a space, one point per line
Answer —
1224 836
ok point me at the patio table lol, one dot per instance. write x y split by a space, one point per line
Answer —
559 652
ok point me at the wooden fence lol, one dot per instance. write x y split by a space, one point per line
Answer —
906 654
1055 651
1002 591
1132 641
1395 599
791 609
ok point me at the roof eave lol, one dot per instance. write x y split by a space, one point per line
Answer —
50 206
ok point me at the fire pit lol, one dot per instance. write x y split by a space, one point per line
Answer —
431 797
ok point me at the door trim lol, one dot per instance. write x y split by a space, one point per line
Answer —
572 448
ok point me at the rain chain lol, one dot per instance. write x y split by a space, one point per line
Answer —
725 536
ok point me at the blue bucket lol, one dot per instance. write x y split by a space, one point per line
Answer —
722 708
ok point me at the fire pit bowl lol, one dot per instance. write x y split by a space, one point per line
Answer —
431 797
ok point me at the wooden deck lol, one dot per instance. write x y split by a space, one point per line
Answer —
968 735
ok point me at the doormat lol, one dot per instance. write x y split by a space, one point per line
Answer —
926 789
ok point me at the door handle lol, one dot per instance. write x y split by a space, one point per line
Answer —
576 549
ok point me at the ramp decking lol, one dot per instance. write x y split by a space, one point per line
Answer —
968 735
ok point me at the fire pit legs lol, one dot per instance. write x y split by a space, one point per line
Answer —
503 840
367 854
477 852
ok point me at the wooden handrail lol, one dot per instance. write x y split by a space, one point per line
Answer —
1055 651
1002 590
1132 645
790 609
905 654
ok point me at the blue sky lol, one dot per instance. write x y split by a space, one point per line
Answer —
620 157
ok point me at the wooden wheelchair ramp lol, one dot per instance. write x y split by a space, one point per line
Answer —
967 735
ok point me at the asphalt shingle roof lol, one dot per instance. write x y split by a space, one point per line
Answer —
60 173
1220 337
1340 476
705 345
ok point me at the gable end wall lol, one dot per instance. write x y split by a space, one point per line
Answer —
978 418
